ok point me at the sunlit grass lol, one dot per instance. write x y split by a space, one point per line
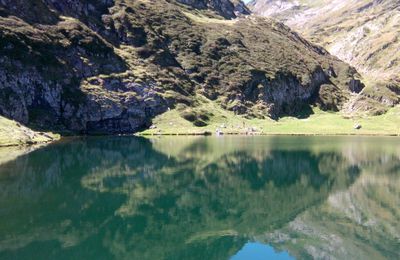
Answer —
319 123
13 133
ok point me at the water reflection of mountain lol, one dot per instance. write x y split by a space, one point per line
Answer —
359 223
168 198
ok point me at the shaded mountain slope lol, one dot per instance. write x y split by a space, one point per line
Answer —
111 66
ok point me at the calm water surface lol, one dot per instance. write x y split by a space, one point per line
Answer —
203 198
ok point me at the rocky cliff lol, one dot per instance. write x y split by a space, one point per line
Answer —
363 33
111 66
226 8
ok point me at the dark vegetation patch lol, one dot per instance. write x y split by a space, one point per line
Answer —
197 116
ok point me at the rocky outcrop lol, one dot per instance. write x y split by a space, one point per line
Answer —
226 8
241 8
43 80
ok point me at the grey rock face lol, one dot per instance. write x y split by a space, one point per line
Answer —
44 83
32 99
283 95
225 8
241 8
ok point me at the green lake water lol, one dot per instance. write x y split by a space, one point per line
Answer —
203 198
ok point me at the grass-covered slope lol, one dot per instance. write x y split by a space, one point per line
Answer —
112 66
318 123
13 134
363 33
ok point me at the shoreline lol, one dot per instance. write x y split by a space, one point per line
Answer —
225 123
267 134
11 152
30 144
34 145
222 135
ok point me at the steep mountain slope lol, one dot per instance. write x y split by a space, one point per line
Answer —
363 33
111 66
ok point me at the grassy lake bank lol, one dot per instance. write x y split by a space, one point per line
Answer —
318 123
172 123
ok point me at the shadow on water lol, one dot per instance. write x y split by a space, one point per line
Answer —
191 198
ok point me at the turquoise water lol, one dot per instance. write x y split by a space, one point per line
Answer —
203 198
258 251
